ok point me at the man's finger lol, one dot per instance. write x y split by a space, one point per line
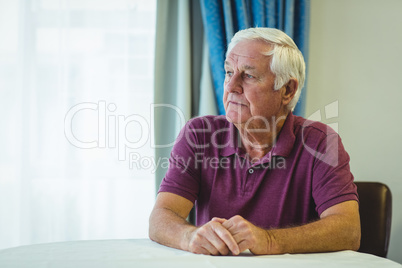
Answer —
244 245
227 238
210 248
228 224
208 238
220 220
218 246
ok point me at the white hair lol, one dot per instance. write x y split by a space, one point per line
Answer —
287 60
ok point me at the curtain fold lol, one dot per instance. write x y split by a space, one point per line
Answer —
223 18
214 28
183 87
167 69
207 103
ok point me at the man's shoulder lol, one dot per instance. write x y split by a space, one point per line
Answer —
306 126
204 131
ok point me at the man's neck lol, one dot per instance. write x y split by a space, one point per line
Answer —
259 139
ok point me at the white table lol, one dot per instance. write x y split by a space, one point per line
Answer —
145 253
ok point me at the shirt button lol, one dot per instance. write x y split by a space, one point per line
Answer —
251 171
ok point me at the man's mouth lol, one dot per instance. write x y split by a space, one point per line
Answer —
237 103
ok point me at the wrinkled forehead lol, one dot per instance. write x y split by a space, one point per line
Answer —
249 50
253 49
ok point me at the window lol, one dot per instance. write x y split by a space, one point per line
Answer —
76 79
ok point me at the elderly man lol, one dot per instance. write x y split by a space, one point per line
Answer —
260 178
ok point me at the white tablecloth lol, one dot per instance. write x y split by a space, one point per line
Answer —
145 253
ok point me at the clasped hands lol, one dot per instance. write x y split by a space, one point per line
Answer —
233 236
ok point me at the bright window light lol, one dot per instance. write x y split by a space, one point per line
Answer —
76 79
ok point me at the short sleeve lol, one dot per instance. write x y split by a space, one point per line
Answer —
332 179
183 175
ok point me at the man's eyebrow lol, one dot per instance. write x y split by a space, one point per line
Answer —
248 67
245 67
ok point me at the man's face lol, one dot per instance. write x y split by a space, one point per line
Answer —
249 95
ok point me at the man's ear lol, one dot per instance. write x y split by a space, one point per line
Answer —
289 91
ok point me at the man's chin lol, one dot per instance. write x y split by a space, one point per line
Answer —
234 119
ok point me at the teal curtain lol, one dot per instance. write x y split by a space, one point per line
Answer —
223 18
182 84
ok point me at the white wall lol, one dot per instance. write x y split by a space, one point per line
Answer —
356 59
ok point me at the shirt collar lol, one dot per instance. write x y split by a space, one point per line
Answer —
286 138
232 140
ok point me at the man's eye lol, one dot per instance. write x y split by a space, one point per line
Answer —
249 76
229 73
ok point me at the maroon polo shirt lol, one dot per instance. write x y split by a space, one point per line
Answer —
306 172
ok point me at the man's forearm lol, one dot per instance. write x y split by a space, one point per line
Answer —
333 233
338 229
168 228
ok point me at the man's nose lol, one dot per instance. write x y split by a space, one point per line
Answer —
234 84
